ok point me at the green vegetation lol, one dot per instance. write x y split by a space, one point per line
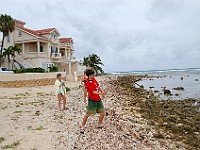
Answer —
53 69
18 111
93 61
13 145
7 24
10 52
67 89
39 128
2 139
30 70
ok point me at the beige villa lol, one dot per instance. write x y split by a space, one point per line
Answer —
41 48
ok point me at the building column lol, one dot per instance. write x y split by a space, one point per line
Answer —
23 49
70 68
68 53
38 48
48 50
65 53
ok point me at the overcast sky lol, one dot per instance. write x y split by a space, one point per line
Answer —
126 34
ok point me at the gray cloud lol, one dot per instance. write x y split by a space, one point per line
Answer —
127 34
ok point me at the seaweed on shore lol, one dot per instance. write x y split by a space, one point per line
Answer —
178 120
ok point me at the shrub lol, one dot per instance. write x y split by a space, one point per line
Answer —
26 70
53 69
67 89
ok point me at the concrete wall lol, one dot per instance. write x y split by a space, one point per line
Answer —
37 62
30 79
28 76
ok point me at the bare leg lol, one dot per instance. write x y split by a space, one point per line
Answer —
85 94
59 99
64 101
101 119
85 120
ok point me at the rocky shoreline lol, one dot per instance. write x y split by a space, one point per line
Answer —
176 122
135 119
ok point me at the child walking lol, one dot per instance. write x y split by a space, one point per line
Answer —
95 104
60 91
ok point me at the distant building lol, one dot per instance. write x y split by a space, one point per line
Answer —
41 48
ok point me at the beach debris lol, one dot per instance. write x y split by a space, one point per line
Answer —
196 79
181 78
180 88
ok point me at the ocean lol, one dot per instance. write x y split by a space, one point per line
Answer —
169 79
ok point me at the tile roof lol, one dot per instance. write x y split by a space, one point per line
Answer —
43 31
31 31
65 40
48 30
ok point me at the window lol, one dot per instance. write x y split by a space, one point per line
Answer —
41 49
20 33
8 38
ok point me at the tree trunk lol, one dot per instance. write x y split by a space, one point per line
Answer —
2 42
1 49
13 62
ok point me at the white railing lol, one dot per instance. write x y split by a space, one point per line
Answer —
56 55
35 54
72 57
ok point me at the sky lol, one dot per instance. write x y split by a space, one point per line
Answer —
128 35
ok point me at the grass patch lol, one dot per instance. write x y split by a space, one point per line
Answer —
39 128
13 145
18 111
2 139
67 89
34 148
3 108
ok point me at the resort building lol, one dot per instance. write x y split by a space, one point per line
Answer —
41 48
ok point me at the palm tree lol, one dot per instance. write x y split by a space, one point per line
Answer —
10 52
93 61
7 24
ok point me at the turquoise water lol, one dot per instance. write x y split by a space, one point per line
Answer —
189 79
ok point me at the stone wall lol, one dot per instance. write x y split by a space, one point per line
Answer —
30 80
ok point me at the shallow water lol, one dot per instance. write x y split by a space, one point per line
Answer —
172 80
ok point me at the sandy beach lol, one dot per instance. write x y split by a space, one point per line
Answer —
30 121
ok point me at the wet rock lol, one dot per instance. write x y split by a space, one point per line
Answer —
151 87
166 92
196 79
180 88
177 94
181 78
156 91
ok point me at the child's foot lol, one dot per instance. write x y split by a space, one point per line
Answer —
82 130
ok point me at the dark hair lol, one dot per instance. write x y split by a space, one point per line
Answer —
59 75
89 72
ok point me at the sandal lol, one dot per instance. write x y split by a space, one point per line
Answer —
82 130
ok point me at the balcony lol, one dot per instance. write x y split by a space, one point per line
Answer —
56 56
73 58
34 54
